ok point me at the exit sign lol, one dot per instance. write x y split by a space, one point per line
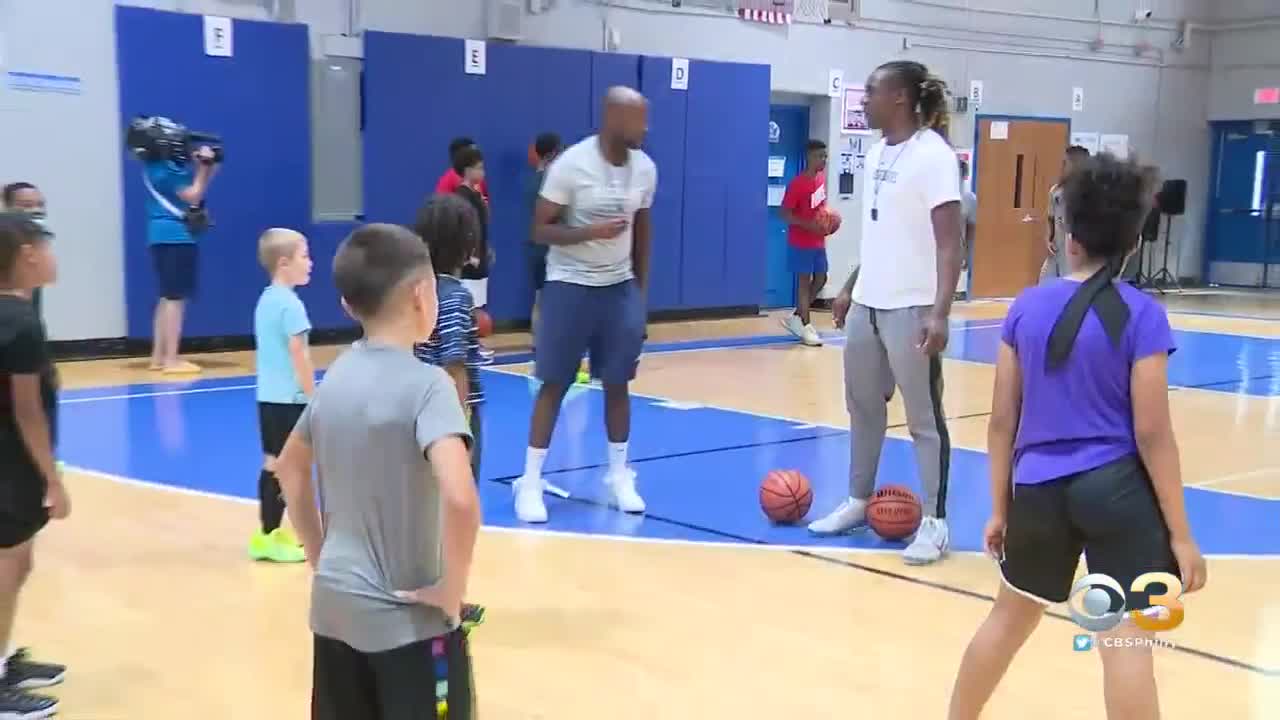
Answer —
1266 96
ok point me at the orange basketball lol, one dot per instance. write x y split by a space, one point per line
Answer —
894 512
785 496
484 323
829 220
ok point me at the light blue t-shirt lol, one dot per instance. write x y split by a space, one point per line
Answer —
280 315
163 227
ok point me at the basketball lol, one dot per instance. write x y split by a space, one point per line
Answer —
785 496
484 323
829 220
894 512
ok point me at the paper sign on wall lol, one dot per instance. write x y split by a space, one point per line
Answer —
217 36
1086 140
475 60
835 83
975 93
776 193
999 130
1117 145
1077 99
777 166
679 73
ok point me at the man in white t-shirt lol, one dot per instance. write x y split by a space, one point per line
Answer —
593 214
897 303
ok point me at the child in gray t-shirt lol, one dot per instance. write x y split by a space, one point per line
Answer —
391 542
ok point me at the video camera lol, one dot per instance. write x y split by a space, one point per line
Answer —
159 138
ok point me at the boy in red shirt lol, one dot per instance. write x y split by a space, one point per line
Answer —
806 196
450 180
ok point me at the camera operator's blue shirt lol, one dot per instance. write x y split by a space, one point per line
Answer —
163 227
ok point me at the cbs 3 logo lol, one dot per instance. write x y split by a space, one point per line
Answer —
1097 602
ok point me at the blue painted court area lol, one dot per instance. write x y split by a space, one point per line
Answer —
698 467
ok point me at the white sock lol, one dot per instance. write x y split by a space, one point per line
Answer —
533 459
617 456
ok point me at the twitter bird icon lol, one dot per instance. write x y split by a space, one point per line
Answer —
1083 643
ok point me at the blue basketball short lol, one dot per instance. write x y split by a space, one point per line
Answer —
812 261
175 268
606 323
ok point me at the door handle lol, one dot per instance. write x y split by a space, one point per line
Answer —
1028 219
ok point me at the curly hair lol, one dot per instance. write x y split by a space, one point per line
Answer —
450 228
927 93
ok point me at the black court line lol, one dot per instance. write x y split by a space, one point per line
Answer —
816 553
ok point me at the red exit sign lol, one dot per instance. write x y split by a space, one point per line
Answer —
1266 96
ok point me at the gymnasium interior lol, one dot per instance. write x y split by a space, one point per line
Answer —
337 113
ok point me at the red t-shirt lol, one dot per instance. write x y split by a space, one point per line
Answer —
450 181
805 196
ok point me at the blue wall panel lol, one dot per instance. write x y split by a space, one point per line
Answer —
408 126
747 221
709 148
258 102
608 70
666 145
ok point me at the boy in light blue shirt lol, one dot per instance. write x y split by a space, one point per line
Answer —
286 380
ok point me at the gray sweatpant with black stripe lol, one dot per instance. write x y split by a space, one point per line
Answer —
882 352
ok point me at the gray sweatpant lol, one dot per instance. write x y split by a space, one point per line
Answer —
882 352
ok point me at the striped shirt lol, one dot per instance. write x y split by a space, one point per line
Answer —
455 339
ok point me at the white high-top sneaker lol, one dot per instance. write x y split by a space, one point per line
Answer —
809 336
530 506
930 543
622 484
851 515
792 324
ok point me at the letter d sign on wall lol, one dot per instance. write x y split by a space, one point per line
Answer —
217 36
474 62
679 73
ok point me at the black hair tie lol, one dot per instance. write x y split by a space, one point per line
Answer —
1099 293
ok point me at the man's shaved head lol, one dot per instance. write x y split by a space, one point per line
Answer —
626 116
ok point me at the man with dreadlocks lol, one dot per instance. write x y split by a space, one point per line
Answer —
895 306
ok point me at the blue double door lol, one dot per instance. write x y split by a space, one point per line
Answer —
788 137
1243 245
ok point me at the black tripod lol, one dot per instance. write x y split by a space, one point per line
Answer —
1163 279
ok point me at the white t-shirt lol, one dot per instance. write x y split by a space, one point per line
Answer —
899 265
593 190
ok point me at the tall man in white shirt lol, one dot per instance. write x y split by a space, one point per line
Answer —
593 213
896 305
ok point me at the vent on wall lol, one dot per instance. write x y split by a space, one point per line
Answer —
505 19
842 10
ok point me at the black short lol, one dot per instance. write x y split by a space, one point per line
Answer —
1110 513
22 489
275 422
175 266
399 684
538 266
477 426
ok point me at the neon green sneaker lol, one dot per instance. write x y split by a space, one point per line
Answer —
288 537
271 547
472 615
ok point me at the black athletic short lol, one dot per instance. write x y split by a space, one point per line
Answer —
1110 513
22 490
399 684
175 266
275 422
477 425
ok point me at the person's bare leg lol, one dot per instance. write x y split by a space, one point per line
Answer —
815 288
174 339
804 296
617 412
15 567
1128 673
1001 635
158 332
546 410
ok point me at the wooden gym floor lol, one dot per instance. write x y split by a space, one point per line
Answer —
699 610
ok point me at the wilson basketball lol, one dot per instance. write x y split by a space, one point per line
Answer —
894 512
484 323
785 496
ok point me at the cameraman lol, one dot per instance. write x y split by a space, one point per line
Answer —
173 247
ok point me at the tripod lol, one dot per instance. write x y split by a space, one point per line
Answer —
1165 279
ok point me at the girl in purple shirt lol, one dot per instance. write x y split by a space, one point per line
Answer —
1083 458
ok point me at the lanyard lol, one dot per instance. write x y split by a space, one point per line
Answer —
875 198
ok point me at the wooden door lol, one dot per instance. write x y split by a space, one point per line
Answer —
1017 164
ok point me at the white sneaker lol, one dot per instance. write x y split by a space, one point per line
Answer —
792 324
930 544
530 507
622 484
850 516
809 336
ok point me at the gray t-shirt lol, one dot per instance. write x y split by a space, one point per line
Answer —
369 424
593 190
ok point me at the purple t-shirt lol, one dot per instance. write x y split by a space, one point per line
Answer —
1078 416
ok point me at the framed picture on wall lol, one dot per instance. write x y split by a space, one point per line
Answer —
853 119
